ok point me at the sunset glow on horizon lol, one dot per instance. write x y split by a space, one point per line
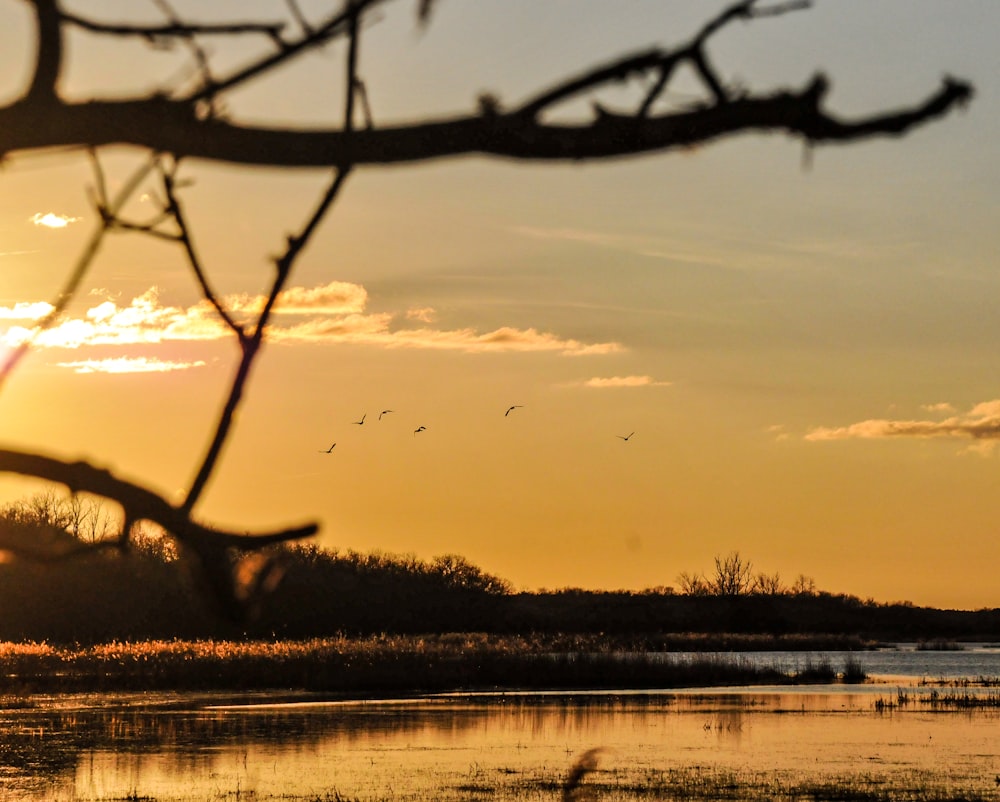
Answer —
802 343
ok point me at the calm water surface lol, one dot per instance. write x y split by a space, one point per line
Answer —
191 747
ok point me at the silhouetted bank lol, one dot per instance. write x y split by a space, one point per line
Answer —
151 593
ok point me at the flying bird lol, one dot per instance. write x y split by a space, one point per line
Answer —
327 450
624 436
360 422
512 408
420 429
383 412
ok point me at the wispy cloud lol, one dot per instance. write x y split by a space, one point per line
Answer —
335 298
585 236
778 430
423 314
981 423
334 313
17 253
671 249
52 220
624 381
376 330
139 364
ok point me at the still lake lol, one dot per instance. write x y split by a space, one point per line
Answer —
517 746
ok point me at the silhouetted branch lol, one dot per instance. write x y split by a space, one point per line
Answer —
350 91
176 211
658 60
250 345
176 29
172 127
139 503
48 61
298 16
336 25
83 263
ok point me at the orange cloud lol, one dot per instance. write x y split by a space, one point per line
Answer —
139 364
375 330
624 381
982 422
143 321
336 313
424 314
335 298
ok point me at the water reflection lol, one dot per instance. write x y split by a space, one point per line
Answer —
440 747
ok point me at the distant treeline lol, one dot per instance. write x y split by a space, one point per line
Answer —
154 592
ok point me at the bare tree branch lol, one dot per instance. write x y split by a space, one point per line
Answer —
176 29
48 61
170 127
250 345
350 91
83 263
139 503
176 211
336 25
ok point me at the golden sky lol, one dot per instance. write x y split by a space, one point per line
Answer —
805 345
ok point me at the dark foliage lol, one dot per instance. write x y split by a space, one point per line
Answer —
149 592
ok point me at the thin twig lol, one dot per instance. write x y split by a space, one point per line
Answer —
352 64
192 42
250 346
80 269
298 16
336 25
175 28
663 61
184 237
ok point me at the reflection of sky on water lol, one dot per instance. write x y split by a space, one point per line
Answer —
173 747
902 660
427 746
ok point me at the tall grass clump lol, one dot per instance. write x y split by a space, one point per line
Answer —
383 663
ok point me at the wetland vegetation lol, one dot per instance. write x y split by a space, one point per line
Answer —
99 689
390 664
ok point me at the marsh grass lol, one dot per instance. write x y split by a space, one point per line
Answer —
398 664
963 700
586 780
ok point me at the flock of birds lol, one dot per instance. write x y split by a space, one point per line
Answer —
419 429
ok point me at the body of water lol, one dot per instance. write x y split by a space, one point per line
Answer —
905 661
514 745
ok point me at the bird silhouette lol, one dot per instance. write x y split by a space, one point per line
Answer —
360 422
420 429
512 408
327 451
625 437
383 412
